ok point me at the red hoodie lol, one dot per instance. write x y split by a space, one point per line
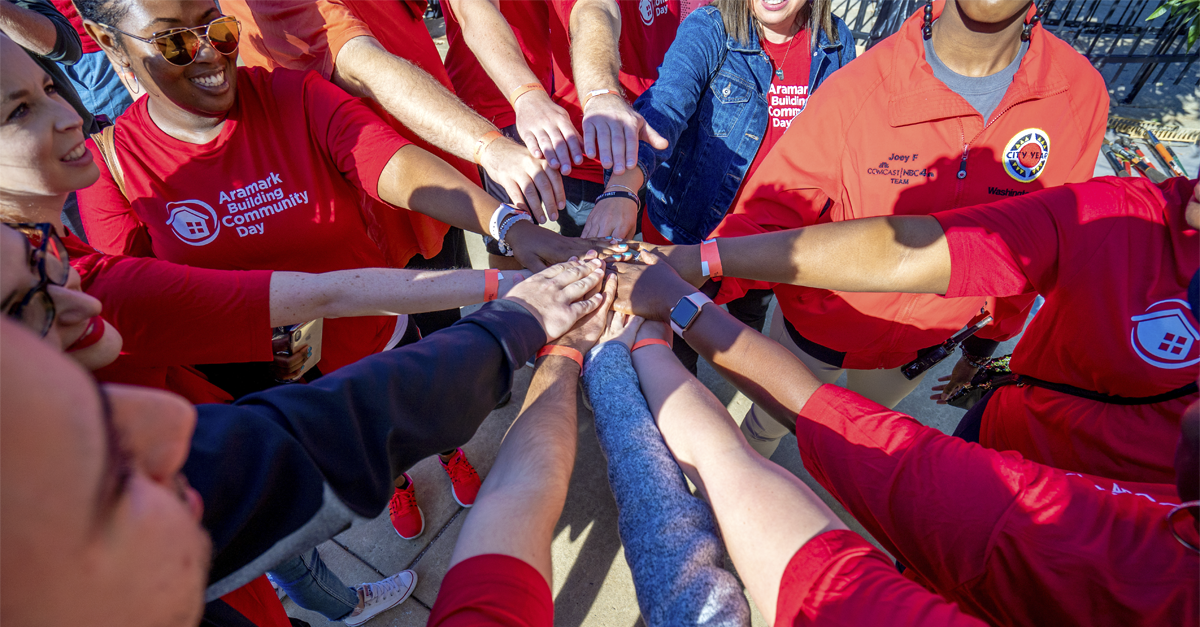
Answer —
883 136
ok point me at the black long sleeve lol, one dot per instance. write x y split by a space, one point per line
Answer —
287 468
67 47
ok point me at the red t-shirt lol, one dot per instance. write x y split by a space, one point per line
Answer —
493 589
171 316
1010 541
1113 257
647 30
787 96
280 188
67 8
530 22
838 578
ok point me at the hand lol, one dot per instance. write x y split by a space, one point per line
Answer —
649 289
536 247
547 131
511 278
961 375
557 296
612 217
530 182
585 332
286 366
611 131
622 328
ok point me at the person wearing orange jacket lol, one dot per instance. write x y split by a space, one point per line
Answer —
967 103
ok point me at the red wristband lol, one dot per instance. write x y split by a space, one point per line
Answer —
650 341
562 351
710 259
491 284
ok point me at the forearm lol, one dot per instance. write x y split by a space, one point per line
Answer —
595 35
417 180
520 502
888 254
738 482
299 297
491 39
631 178
29 29
409 94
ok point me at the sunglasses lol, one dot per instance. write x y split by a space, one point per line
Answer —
48 259
181 46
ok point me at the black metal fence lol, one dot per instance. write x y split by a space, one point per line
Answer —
1114 34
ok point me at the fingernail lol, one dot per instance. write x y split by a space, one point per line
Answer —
310 352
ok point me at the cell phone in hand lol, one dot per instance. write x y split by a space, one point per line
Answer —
287 341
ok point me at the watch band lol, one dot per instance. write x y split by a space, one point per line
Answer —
699 300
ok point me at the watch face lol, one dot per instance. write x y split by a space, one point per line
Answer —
683 313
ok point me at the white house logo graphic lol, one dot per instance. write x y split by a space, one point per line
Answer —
1165 337
646 9
194 221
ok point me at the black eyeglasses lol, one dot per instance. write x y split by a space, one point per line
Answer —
48 258
181 46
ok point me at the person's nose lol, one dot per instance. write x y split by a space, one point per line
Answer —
72 305
66 119
156 429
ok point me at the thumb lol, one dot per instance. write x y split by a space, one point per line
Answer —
651 136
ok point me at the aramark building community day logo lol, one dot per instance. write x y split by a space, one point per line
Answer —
1026 154
1165 337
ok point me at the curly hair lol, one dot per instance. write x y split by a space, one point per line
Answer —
109 12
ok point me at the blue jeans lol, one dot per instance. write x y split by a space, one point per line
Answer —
99 87
311 584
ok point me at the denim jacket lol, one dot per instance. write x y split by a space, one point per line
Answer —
710 102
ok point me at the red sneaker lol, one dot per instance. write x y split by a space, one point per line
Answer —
407 518
464 481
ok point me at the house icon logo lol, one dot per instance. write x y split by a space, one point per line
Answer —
194 221
1165 337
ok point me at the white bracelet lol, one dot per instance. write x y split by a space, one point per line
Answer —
504 246
498 216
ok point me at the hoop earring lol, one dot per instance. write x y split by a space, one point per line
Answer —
927 29
1028 29
137 85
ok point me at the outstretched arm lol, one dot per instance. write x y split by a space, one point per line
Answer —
544 126
523 496
364 68
886 254
764 512
611 128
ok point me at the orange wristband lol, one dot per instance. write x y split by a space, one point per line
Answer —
650 341
710 259
562 351
491 284
592 94
484 142
522 90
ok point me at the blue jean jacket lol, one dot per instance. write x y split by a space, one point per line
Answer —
710 102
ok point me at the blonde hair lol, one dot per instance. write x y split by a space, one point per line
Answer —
738 15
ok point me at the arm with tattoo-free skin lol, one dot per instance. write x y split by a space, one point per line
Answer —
544 126
887 254
765 513
611 128
37 33
415 179
363 68
520 502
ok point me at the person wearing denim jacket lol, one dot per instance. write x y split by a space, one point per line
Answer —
710 102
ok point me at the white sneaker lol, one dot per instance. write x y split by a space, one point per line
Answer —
382 595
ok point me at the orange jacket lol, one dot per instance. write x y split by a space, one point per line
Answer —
883 136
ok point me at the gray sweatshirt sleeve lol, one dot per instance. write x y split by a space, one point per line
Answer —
670 537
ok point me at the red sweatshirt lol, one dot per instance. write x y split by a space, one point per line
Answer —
883 136
1113 257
